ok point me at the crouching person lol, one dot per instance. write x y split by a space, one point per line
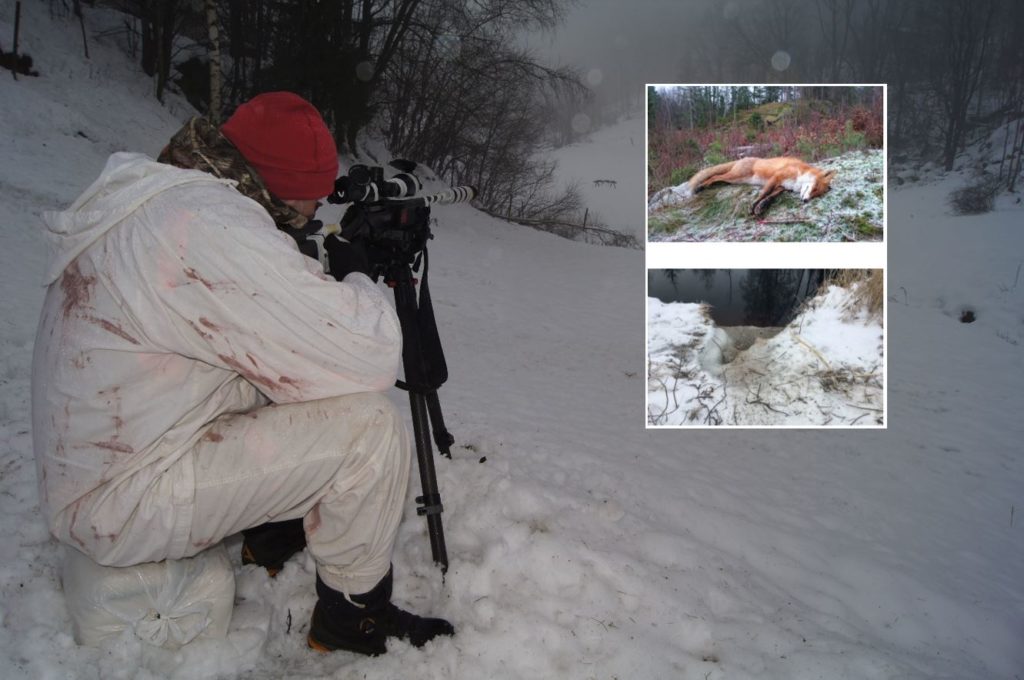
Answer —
196 376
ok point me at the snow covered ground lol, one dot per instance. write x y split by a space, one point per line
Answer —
581 544
825 368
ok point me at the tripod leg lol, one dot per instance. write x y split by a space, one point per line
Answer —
430 501
442 437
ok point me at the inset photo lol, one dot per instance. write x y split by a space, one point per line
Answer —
765 348
766 163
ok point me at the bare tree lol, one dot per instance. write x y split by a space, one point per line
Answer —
834 19
963 38
1010 66
159 18
333 53
462 97
876 31
772 28
215 84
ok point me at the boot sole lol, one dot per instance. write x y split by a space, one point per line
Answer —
322 648
317 646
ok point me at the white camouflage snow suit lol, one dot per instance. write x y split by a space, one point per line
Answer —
195 375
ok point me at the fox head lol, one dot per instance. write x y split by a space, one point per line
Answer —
822 183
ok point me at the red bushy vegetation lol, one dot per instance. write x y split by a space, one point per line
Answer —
810 130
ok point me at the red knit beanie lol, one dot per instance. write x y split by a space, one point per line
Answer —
284 138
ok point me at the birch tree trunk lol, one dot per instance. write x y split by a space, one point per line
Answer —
215 85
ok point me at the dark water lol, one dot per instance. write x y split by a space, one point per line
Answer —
738 297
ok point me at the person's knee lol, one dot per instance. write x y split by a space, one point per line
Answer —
380 414
381 430
391 427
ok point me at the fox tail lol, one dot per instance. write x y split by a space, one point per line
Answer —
678 194
694 182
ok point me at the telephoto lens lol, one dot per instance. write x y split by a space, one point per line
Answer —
402 185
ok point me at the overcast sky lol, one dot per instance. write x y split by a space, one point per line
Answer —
619 39
618 45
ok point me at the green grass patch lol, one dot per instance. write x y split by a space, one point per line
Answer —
715 153
799 231
680 175
862 224
806 147
713 206
666 222
853 139
787 200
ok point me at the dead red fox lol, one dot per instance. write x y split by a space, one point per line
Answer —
773 175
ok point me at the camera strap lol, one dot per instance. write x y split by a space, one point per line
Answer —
423 356
310 240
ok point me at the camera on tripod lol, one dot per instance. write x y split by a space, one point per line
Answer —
390 220
388 216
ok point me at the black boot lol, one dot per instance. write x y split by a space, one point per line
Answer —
365 626
270 545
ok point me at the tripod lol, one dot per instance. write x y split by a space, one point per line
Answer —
395 233
425 371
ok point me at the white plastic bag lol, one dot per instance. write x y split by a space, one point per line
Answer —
166 604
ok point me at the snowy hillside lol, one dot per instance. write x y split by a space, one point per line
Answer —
581 544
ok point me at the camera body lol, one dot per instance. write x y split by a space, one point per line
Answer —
383 214
391 233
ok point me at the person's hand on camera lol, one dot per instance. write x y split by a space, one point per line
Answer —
345 257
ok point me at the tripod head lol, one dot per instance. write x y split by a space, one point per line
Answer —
388 216
394 232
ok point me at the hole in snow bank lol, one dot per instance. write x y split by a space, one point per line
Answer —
967 316
743 337
728 342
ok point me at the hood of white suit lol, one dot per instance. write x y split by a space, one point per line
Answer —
126 183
